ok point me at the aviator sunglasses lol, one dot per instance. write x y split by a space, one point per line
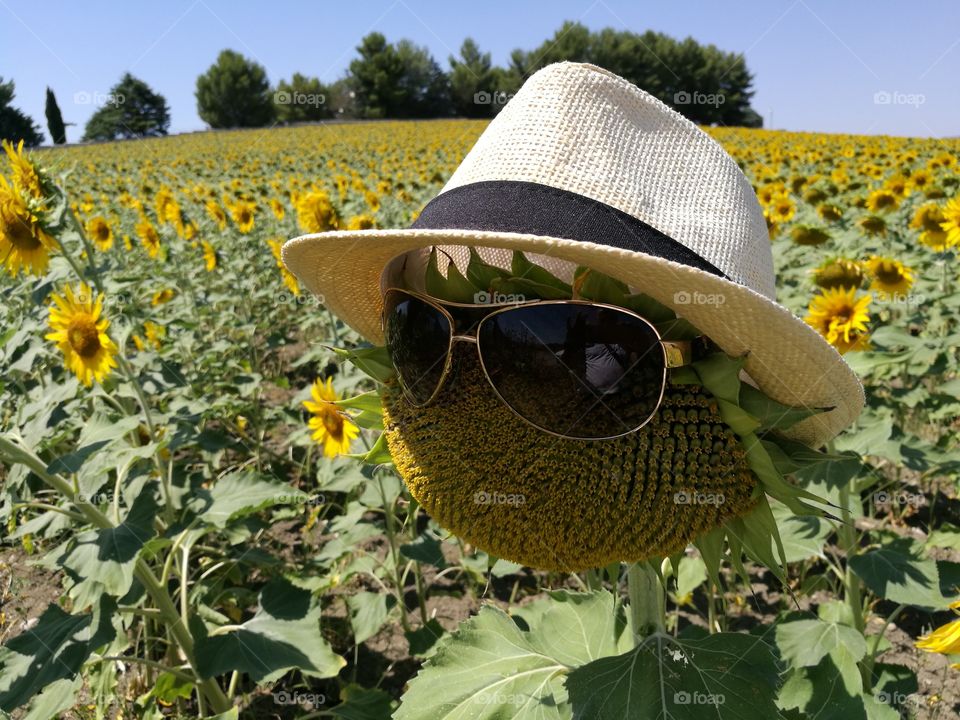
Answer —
577 369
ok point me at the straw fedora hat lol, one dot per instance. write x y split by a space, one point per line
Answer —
583 168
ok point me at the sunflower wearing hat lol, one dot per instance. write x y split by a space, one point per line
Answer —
590 364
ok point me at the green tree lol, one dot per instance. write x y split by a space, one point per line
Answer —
15 125
401 80
303 99
58 131
704 83
132 109
234 92
473 82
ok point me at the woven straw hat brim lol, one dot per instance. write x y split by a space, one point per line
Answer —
786 358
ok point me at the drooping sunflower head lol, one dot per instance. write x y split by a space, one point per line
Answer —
841 317
554 503
882 200
873 225
80 333
809 235
839 273
889 276
331 428
23 241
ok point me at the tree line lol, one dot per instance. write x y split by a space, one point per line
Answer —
403 80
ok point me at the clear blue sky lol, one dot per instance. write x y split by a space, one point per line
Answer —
818 63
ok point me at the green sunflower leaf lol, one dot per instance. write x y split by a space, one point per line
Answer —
525 289
453 288
284 634
481 273
772 414
372 360
521 268
727 675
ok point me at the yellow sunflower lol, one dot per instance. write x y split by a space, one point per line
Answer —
209 256
782 209
316 213
809 235
331 428
149 237
830 213
841 317
838 273
276 207
242 213
23 241
889 276
80 333
288 278
26 177
361 222
882 200
216 213
951 222
162 296
945 639
100 232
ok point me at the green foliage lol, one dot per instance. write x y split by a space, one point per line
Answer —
235 92
14 124
474 82
132 110
302 99
706 84
58 132
398 81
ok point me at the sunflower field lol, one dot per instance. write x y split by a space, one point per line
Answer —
200 508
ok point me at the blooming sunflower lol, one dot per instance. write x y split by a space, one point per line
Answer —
26 177
809 235
830 213
100 232
80 333
288 278
782 209
216 213
882 200
841 317
951 222
276 207
361 222
331 428
149 237
23 241
316 213
209 256
243 213
162 296
890 277
945 639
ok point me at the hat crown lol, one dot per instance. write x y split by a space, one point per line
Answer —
583 129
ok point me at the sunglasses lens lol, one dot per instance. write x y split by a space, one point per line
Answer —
580 371
417 338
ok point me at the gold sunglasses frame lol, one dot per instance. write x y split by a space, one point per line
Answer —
676 353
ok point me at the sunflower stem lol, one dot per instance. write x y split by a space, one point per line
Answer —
646 601
13 452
